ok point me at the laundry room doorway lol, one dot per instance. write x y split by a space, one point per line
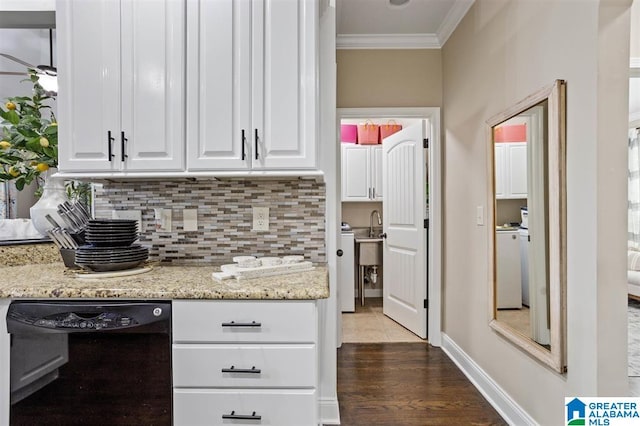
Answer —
408 276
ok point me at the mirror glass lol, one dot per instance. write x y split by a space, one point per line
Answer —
527 198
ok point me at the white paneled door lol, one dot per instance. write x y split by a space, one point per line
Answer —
405 245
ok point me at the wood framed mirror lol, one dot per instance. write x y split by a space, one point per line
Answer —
527 232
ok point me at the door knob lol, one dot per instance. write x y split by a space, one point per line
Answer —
383 235
339 253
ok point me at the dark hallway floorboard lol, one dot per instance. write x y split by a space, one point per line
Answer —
406 384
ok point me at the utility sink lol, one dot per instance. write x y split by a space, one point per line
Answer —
369 251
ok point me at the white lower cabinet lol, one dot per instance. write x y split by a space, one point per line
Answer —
244 365
245 362
209 407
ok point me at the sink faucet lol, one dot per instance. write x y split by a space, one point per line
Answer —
371 222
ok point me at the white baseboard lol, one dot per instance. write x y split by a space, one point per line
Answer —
329 411
497 397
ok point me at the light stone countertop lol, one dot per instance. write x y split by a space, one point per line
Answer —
53 280
27 254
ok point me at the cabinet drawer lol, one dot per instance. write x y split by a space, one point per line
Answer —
196 365
244 321
194 407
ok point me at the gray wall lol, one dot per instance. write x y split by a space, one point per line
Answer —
502 52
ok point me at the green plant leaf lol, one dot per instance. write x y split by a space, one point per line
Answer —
26 132
50 151
12 117
51 130
34 145
20 184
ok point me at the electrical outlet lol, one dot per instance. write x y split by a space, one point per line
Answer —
261 218
163 220
190 220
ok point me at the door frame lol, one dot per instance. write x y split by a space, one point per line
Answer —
434 243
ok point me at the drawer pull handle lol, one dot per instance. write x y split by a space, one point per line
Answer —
233 369
233 415
241 324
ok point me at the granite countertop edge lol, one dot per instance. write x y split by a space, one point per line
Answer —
53 280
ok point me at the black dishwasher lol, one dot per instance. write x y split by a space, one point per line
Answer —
90 362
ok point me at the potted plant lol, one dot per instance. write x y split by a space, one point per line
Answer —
28 137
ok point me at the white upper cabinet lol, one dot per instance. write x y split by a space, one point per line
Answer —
361 172
511 170
251 84
376 172
121 68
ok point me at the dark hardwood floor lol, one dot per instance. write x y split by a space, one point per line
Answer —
406 384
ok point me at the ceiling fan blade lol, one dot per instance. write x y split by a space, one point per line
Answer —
12 73
14 59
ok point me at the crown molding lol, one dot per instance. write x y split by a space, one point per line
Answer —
453 18
387 41
408 41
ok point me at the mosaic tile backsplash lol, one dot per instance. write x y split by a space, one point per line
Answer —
225 217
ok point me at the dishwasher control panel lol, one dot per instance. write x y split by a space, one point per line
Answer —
88 316
104 320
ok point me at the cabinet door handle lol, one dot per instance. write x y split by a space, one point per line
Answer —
373 191
256 142
110 141
244 140
241 324
233 415
123 142
369 193
233 369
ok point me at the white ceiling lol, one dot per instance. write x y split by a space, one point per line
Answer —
375 24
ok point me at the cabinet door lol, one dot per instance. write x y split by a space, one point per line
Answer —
508 263
499 172
89 84
152 52
517 172
219 85
376 172
356 174
284 83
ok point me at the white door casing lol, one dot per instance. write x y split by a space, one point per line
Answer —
405 245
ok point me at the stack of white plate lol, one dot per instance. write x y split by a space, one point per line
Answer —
110 246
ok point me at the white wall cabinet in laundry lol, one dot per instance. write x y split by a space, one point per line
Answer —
361 172
511 170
